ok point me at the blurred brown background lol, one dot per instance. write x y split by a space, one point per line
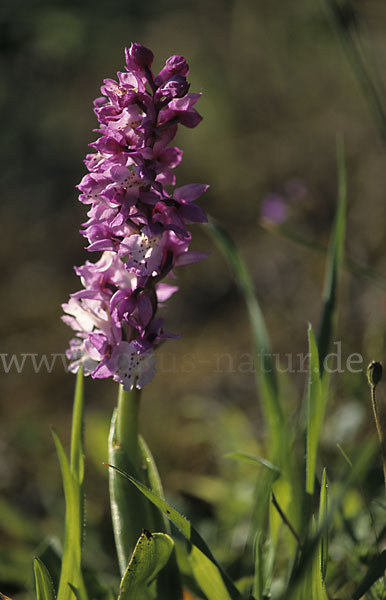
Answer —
277 90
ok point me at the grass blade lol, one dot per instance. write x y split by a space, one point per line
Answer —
43 582
153 481
311 546
323 515
251 458
335 259
375 571
369 87
259 577
352 265
267 379
72 477
208 575
316 405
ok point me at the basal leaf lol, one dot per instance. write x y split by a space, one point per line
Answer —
208 576
130 512
153 481
229 591
149 557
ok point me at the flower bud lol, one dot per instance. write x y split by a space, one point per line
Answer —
374 373
175 65
138 56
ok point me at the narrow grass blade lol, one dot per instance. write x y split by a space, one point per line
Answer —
259 576
310 548
375 571
335 259
343 453
318 590
149 557
169 580
251 458
153 481
370 87
200 555
316 405
43 582
267 378
352 265
323 516
72 476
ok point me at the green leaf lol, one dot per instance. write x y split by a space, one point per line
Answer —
318 590
334 263
259 575
323 517
315 411
50 553
366 75
129 510
343 453
153 481
356 268
375 571
265 365
72 477
209 577
43 582
312 545
149 557
251 458
209 574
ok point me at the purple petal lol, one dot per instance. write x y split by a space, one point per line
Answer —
190 192
192 256
164 291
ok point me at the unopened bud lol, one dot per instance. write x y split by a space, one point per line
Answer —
139 56
374 373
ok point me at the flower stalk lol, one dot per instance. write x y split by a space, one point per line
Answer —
374 375
127 430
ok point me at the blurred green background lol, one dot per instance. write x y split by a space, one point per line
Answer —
277 90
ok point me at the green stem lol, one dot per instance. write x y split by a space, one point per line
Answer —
127 428
379 430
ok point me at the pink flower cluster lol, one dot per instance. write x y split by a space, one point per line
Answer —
138 224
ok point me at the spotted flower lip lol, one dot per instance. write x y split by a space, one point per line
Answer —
138 224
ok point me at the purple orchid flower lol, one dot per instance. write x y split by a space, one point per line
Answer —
138 225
